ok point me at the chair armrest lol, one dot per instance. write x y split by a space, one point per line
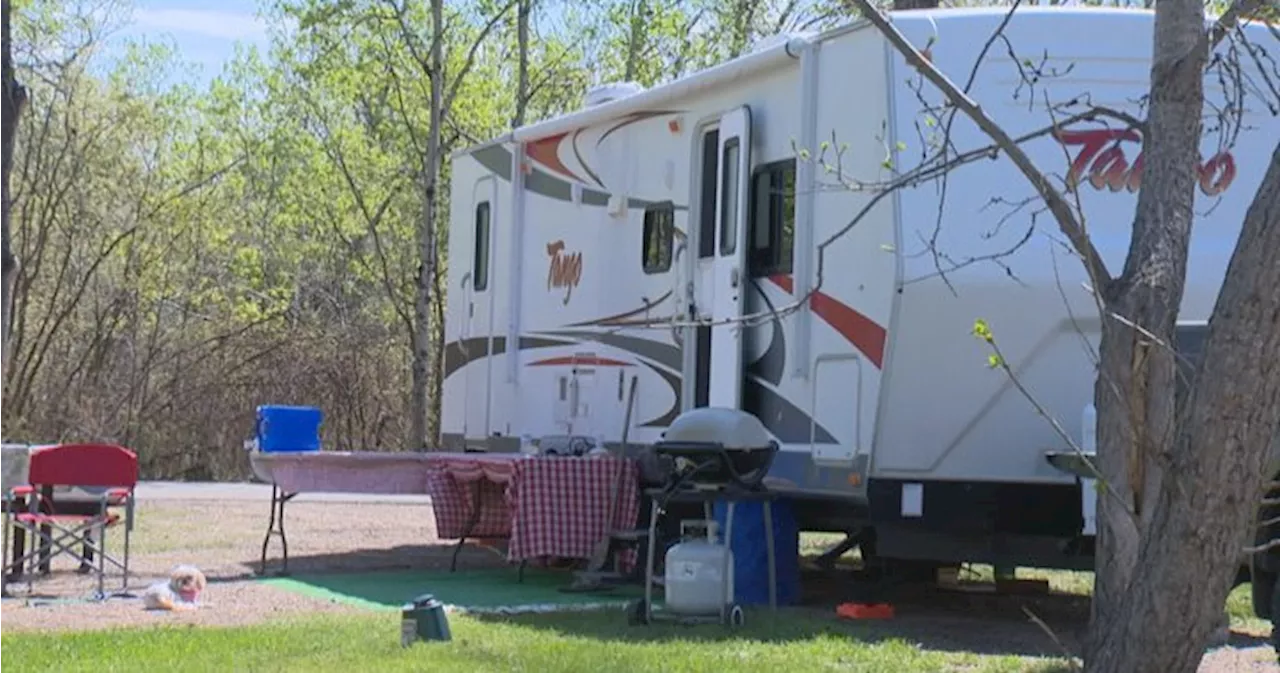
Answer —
25 489
116 496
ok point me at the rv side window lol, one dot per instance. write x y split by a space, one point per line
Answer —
729 194
659 237
480 266
773 218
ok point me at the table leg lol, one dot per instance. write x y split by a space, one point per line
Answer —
275 527
474 519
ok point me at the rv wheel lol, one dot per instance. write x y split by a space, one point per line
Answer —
736 616
1275 631
1262 585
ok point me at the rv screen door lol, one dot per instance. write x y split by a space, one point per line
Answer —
730 282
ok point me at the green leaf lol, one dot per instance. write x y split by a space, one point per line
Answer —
982 330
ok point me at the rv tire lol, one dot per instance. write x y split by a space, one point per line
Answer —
1262 584
1275 610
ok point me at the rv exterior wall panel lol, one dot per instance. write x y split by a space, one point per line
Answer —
980 250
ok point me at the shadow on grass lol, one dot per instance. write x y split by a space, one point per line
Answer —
933 619
793 625
416 556
930 618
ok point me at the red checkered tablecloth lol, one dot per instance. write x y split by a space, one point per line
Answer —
561 505
452 480
549 507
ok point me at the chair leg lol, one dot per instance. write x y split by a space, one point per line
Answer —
86 554
125 586
86 558
4 560
102 561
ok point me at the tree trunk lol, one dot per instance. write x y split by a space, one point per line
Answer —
1203 516
743 19
635 40
15 98
422 434
523 10
1138 436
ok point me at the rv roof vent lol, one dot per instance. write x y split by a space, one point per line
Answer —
612 91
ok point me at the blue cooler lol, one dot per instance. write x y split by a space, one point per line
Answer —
283 428
750 559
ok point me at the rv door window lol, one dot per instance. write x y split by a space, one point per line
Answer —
707 194
773 218
729 202
480 266
659 237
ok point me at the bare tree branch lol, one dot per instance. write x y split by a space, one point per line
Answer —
1058 206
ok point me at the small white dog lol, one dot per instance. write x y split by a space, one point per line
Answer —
180 592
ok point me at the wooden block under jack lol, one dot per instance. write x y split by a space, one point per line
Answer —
1025 586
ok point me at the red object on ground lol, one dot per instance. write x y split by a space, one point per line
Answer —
864 611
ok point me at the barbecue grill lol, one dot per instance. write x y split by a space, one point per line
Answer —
716 448
717 454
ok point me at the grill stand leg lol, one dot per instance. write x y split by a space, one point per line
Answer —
729 589
275 527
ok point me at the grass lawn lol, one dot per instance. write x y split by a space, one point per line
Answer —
599 641
795 639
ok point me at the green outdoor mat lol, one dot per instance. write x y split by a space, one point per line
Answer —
472 590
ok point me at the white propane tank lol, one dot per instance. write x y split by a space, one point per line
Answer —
1088 489
696 579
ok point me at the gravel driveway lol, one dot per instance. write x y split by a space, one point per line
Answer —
224 538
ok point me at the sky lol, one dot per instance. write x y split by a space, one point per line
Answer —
204 31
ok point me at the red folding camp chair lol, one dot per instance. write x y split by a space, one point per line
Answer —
113 470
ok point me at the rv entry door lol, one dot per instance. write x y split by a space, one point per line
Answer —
479 371
729 277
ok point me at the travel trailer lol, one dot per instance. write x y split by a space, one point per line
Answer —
728 239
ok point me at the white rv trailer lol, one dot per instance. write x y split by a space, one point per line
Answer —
584 248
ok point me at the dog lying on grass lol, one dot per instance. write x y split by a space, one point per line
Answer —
180 592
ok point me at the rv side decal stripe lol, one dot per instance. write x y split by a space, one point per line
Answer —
787 422
622 318
497 160
858 329
547 152
577 360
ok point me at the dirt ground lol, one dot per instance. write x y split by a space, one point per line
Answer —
224 539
